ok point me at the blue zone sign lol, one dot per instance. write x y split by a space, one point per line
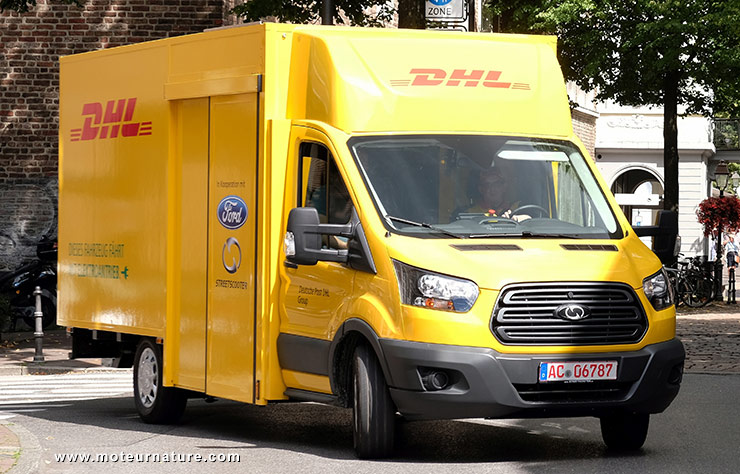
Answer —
445 10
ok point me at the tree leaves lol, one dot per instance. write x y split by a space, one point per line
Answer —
353 12
24 6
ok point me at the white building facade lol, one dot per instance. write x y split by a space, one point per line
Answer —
628 151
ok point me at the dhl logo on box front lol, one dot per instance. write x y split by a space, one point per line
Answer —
115 121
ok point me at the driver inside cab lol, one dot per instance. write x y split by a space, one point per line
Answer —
494 196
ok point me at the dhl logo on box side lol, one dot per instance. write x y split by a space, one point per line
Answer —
112 121
458 77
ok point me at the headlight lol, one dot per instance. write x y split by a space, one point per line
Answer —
431 290
658 290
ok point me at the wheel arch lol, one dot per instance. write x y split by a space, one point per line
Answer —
351 334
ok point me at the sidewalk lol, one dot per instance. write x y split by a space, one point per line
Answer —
17 352
711 336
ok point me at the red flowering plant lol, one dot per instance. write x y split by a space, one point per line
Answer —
719 214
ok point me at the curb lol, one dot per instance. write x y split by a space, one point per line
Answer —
28 454
29 335
10 448
56 370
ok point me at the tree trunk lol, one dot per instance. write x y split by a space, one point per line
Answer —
670 142
411 14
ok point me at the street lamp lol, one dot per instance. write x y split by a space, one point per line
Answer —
721 175
734 182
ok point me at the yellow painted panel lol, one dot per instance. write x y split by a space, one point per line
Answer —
232 225
191 239
211 87
433 81
224 53
113 194
304 381
268 365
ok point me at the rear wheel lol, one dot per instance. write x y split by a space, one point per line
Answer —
374 414
625 431
154 402
696 291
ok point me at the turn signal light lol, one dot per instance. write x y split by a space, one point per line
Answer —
435 303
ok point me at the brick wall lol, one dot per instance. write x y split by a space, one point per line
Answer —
30 46
584 126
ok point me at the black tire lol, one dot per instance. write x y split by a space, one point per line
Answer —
155 403
625 431
373 414
696 291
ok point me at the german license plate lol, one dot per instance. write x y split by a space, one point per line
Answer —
578 371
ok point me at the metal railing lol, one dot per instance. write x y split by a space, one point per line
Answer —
726 134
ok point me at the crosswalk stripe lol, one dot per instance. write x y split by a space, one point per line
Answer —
17 390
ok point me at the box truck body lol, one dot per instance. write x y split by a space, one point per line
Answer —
281 212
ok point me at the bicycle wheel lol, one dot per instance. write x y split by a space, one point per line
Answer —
673 280
695 290
705 290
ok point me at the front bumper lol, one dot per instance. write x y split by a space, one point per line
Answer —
489 384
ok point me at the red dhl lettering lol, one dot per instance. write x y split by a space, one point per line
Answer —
457 78
112 121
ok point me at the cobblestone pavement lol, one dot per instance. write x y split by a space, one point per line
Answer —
711 336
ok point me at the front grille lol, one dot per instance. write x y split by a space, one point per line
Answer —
573 392
525 314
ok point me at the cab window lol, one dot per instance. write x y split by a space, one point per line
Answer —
323 188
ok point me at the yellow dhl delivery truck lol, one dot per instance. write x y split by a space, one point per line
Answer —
393 221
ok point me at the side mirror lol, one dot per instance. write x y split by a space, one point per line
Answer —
303 238
665 236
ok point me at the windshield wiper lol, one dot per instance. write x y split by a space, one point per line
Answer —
524 234
544 235
422 224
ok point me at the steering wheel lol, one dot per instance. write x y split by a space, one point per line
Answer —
543 212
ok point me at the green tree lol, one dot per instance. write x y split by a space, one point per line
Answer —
644 52
23 6
411 14
513 16
358 12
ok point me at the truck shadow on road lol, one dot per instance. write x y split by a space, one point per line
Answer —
326 432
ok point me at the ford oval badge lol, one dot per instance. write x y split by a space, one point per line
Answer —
572 312
232 212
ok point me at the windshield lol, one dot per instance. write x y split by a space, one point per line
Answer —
483 187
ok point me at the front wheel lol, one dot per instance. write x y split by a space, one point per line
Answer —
696 291
155 403
625 431
374 414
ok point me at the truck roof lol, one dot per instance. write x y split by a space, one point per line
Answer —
365 80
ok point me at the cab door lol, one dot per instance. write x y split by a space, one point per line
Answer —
314 298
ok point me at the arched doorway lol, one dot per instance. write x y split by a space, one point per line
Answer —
639 192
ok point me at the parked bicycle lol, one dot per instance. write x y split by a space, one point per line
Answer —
693 281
